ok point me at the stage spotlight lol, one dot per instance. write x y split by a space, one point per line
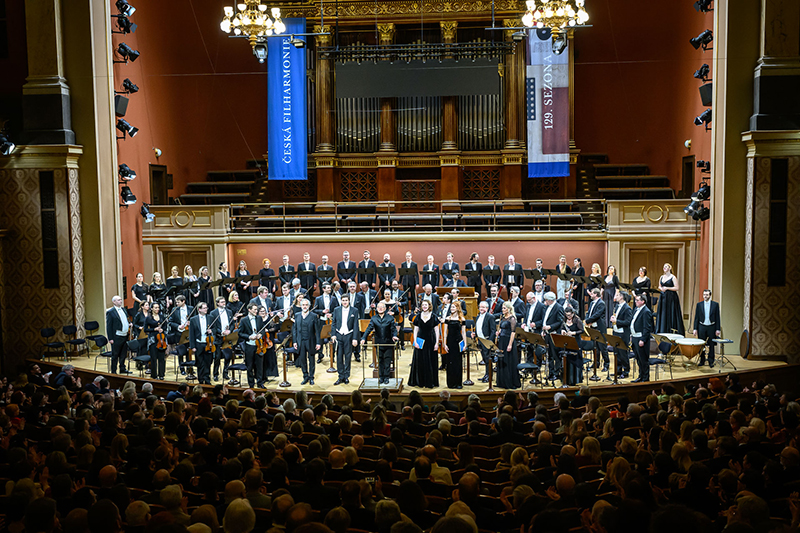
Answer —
126 128
129 86
559 43
125 8
703 193
127 52
702 214
297 43
704 166
127 196
704 39
145 211
126 173
692 208
260 51
703 6
6 145
704 118
125 25
702 72
518 35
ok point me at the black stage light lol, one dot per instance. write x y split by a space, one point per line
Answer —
125 8
145 211
6 145
704 166
702 72
126 173
703 193
260 51
126 128
702 214
703 6
704 39
129 86
127 52
692 208
127 196
559 43
704 118
125 25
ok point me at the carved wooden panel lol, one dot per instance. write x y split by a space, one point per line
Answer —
421 193
481 184
359 186
542 187
300 189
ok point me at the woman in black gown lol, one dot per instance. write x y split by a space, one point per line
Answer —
641 285
243 287
669 317
236 308
455 331
138 292
507 372
224 289
155 292
266 273
206 295
573 326
174 280
577 288
610 287
158 358
193 292
424 369
139 321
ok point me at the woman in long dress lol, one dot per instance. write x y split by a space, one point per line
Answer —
610 286
153 325
669 317
266 273
507 372
573 326
577 288
270 363
138 292
455 332
424 368
641 285
243 287
562 285
193 292
156 290
206 295
222 272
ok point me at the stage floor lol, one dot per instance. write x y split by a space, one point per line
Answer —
324 381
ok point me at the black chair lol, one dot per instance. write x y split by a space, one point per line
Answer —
78 344
237 367
142 361
49 346
102 343
91 327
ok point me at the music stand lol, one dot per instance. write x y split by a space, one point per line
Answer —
532 273
618 344
326 334
347 273
566 343
599 338
472 346
491 271
385 271
492 347
282 346
325 275
535 339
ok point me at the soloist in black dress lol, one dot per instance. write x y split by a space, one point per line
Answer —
669 316
424 368
507 372
455 361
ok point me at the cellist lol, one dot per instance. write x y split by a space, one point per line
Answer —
249 332
155 326
222 319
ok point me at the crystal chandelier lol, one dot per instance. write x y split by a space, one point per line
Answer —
252 21
557 15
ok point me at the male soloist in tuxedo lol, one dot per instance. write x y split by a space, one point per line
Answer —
707 326
324 306
249 332
117 326
344 332
621 324
306 338
178 323
199 329
346 264
512 275
475 266
552 321
222 319
641 330
307 281
367 263
485 328
596 319
450 266
430 273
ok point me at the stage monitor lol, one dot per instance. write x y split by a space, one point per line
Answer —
432 78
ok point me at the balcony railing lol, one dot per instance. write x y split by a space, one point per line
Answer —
419 216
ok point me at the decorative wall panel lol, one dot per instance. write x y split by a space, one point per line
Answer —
294 190
359 186
422 193
481 184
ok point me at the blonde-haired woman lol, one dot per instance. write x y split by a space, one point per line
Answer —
455 332
193 292
669 317
596 273
562 286
507 373
610 287
243 287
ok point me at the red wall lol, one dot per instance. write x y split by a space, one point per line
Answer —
202 100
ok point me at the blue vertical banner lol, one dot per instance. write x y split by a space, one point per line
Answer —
286 86
547 99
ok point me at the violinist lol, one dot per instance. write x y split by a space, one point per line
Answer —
325 303
199 329
178 322
392 305
236 308
139 321
222 319
249 332
263 298
269 360
284 302
155 327
368 297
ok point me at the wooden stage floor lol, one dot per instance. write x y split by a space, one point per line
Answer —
324 381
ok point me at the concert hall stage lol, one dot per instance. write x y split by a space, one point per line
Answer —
749 370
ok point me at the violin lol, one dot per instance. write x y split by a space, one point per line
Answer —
265 342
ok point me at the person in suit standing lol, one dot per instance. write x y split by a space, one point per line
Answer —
430 273
344 333
346 264
449 265
368 297
249 332
475 266
324 267
552 321
514 277
430 296
199 329
386 334
308 281
117 327
534 312
409 281
222 319
367 263
641 330
596 318
306 339
324 306
178 322
491 279
385 280
494 301
262 299
577 288
485 328
517 303
707 326
621 320
286 272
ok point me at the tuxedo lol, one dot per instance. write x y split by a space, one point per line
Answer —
345 329
176 319
515 272
249 326
324 268
533 314
117 332
286 273
307 281
495 306
596 318
434 298
573 303
281 301
266 303
519 309
319 305
491 279
641 329
197 342
306 335
430 275
369 278
384 278
409 282
553 316
486 328
707 324
351 265
221 319
622 329
474 281
448 266
453 283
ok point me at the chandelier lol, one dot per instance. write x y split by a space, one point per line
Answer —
557 15
252 21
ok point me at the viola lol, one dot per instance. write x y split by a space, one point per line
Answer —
210 346
161 341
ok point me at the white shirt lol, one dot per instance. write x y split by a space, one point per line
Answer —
474 265
591 307
546 314
531 311
343 329
223 320
707 319
635 333
616 328
183 312
326 298
287 304
254 328
124 318
539 296
203 328
511 276
479 325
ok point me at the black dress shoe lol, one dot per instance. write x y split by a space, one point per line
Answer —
701 363
346 381
304 381
711 365
311 381
338 382
183 371
459 386
260 385
605 368
482 363
358 359
319 360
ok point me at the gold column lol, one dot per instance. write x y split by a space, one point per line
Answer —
514 152
450 117
386 33
323 93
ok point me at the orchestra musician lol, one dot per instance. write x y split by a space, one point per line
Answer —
178 322
249 332
386 334
156 290
117 327
641 330
430 273
285 271
474 265
409 282
568 300
139 320
222 272
237 308
307 281
385 280
596 318
222 319
343 333
455 280
485 328
297 290
514 277
158 356
243 287
324 306
368 297
532 323
205 295
621 324
284 302
577 288
562 268
494 301
174 280
199 329
491 279
429 296
336 290
448 268
552 321
367 263
266 273
346 264
268 361
538 290
573 327
455 297
540 267
262 299
138 292
307 342
324 267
